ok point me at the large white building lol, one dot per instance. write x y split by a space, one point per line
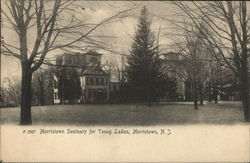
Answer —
171 60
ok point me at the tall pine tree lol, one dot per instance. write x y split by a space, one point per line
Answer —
143 62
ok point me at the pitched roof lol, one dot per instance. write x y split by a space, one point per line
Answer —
90 52
93 52
93 69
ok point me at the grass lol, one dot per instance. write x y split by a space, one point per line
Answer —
129 114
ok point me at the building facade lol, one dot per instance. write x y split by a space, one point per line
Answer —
94 82
171 62
95 85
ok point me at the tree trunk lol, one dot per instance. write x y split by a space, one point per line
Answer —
245 93
149 96
245 54
201 94
209 92
26 96
195 98
215 93
195 102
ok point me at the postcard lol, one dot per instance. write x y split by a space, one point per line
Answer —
125 81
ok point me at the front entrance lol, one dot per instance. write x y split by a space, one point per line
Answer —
99 96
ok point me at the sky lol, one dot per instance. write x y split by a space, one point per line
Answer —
116 34
120 31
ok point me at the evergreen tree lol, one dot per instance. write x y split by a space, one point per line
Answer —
143 63
69 86
72 90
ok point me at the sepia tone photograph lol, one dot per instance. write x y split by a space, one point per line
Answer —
125 81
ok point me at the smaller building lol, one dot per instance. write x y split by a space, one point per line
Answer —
94 84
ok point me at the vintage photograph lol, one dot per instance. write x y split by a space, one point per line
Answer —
125 70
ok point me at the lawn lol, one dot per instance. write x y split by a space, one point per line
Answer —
130 114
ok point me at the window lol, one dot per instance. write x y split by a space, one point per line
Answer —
70 61
97 81
89 93
93 60
114 87
105 82
102 81
87 81
91 81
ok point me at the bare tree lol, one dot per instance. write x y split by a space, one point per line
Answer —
112 68
42 85
193 63
47 22
11 91
229 23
